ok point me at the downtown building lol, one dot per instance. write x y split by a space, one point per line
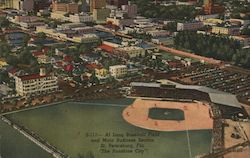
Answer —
211 8
99 10
24 5
130 9
35 84
65 7
97 4
117 3
189 26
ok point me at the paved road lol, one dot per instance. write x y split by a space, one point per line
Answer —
187 54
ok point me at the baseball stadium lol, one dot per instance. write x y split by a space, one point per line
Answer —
170 106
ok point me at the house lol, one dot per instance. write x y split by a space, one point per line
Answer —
2 63
101 73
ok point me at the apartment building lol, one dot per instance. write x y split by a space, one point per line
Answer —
226 30
36 83
189 26
118 71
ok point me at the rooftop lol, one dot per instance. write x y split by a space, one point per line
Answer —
106 48
216 96
31 77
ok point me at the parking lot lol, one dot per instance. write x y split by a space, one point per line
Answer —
230 81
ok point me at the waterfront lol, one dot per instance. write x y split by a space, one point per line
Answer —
72 126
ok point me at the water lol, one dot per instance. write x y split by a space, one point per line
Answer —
73 127
15 145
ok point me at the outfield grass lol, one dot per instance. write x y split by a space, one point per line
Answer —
66 126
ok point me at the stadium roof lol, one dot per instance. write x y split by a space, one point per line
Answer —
224 99
143 84
216 96
199 88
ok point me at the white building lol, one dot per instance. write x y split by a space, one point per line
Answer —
205 17
28 25
36 83
118 71
78 18
143 22
58 15
158 33
189 26
85 38
132 51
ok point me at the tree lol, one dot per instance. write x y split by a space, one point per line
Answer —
4 77
83 48
12 60
4 23
222 48
51 52
171 26
41 35
26 40
245 31
4 49
93 79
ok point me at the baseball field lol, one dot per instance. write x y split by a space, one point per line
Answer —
81 130
169 115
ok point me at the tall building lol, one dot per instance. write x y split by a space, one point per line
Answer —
85 6
97 4
211 8
100 15
130 9
65 7
208 5
6 4
25 5
41 4
117 3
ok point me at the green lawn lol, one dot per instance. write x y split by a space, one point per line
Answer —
166 114
67 126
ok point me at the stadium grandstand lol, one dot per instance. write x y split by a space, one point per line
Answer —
227 103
